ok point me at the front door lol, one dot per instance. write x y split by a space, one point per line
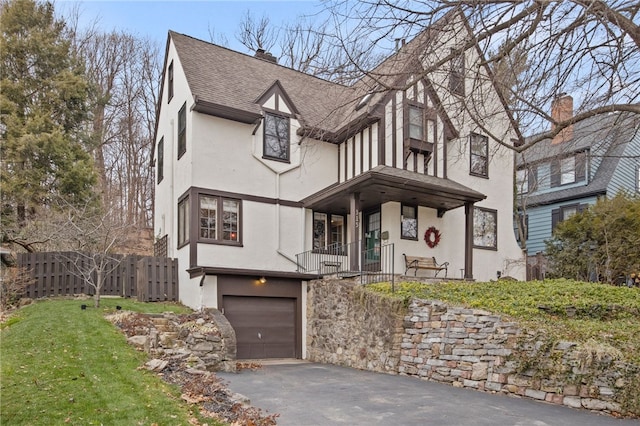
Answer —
371 249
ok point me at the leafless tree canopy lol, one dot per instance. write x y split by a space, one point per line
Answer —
589 49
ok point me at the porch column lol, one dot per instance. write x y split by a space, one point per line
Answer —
354 231
468 241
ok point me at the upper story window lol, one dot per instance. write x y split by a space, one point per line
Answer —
479 155
485 228
160 159
456 73
276 137
219 219
416 122
568 169
183 221
182 130
638 179
328 231
170 82
522 181
409 223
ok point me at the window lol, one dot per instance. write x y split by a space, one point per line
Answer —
479 155
328 230
276 137
456 74
183 221
219 219
485 228
565 212
160 160
208 217
638 179
522 181
416 123
568 170
170 82
522 226
182 130
409 221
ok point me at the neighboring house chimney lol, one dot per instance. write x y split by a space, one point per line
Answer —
562 110
261 54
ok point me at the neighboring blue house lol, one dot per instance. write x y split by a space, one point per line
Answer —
555 179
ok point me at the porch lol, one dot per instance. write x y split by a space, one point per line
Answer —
360 199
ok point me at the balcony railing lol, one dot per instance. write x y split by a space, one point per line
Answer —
350 260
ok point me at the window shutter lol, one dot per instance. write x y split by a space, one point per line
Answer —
555 218
582 207
581 165
555 173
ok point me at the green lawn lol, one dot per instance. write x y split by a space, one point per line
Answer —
63 365
606 314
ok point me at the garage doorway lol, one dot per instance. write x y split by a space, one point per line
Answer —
264 326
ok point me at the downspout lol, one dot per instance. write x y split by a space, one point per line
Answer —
278 173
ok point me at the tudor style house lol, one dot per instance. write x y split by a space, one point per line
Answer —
596 157
260 168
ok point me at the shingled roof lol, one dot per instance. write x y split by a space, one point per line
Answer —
606 135
222 77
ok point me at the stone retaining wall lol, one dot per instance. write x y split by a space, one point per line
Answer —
476 349
346 325
349 326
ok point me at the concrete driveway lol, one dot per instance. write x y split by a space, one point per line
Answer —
306 394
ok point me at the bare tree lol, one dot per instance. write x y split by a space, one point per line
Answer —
590 49
93 235
257 34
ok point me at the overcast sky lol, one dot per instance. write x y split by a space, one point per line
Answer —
153 18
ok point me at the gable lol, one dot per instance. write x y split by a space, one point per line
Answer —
275 98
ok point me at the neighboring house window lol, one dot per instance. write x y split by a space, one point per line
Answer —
522 181
182 130
522 226
160 160
183 221
568 170
219 219
565 212
328 230
170 78
456 74
409 220
485 228
276 137
416 122
638 179
479 155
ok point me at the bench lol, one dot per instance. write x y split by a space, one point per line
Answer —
429 263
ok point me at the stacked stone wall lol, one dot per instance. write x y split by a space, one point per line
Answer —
471 348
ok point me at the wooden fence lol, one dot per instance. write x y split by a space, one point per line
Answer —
56 274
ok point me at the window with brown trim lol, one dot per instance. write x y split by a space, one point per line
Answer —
170 82
329 231
567 170
416 122
160 159
276 137
219 219
485 228
183 221
409 223
182 130
479 155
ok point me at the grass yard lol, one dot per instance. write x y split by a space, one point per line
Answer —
63 365
564 309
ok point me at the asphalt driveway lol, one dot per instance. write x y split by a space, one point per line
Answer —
306 394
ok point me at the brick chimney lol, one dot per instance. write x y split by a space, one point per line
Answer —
261 54
562 110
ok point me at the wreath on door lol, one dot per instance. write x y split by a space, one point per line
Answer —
432 237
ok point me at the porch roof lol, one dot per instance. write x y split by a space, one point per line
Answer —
383 184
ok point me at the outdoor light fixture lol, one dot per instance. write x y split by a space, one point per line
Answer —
262 280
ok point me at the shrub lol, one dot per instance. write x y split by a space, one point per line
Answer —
14 282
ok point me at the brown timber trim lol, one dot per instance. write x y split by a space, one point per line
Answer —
246 197
198 271
393 130
353 156
468 241
382 140
229 113
361 151
370 147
